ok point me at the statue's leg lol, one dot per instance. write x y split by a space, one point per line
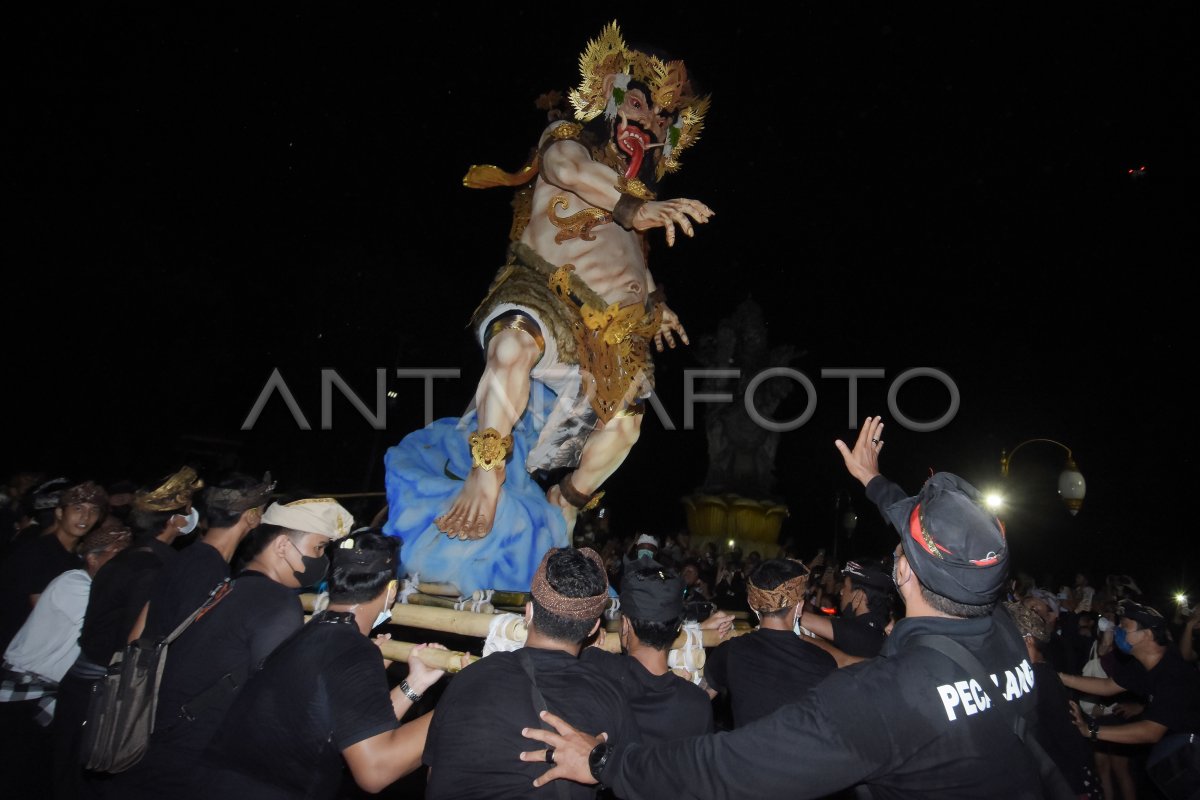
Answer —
602 454
500 400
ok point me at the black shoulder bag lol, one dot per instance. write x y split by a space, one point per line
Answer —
122 707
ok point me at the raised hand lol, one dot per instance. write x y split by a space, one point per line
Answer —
863 461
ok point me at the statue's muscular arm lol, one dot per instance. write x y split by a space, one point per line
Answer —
568 165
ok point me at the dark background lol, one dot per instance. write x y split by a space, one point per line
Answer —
197 198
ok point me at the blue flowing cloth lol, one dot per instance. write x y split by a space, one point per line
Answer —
425 472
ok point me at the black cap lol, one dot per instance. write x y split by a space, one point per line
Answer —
953 544
380 553
1145 616
650 591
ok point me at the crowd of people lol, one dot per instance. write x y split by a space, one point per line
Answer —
935 671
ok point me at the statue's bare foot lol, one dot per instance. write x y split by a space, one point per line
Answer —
570 513
474 510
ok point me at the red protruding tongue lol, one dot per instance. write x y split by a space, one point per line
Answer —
635 163
633 141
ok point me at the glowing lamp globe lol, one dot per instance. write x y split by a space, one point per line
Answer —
1072 487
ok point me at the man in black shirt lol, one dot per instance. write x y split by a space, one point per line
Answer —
1062 626
911 723
159 516
212 659
233 507
1171 686
664 705
38 561
476 726
859 631
323 697
1056 731
772 666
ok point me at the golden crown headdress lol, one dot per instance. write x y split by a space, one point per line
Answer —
608 55
175 492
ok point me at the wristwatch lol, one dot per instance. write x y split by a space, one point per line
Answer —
408 692
1093 729
597 760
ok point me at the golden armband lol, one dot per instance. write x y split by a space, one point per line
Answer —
489 449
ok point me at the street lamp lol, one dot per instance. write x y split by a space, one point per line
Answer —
1071 485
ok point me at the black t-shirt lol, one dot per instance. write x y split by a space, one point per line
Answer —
27 571
1061 654
182 586
664 706
1057 733
1171 689
119 590
764 670
475 735
233 639
322 691
860 636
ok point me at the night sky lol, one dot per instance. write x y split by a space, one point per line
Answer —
200 198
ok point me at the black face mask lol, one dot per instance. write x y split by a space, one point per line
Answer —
315 568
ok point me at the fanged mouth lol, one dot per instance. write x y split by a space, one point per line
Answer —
634 142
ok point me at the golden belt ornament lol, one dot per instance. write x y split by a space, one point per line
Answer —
613 347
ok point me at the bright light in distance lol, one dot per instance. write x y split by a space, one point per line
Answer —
393 395
1181 598
994 501
731 543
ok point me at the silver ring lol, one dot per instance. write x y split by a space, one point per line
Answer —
874 441
549 755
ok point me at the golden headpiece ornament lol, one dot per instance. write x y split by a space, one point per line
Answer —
608 55
174 493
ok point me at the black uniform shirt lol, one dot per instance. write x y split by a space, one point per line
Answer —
910 723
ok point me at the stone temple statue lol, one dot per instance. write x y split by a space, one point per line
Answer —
741 452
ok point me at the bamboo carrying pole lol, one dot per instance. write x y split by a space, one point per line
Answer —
467 623
421 599
449 660
446 620
439 589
